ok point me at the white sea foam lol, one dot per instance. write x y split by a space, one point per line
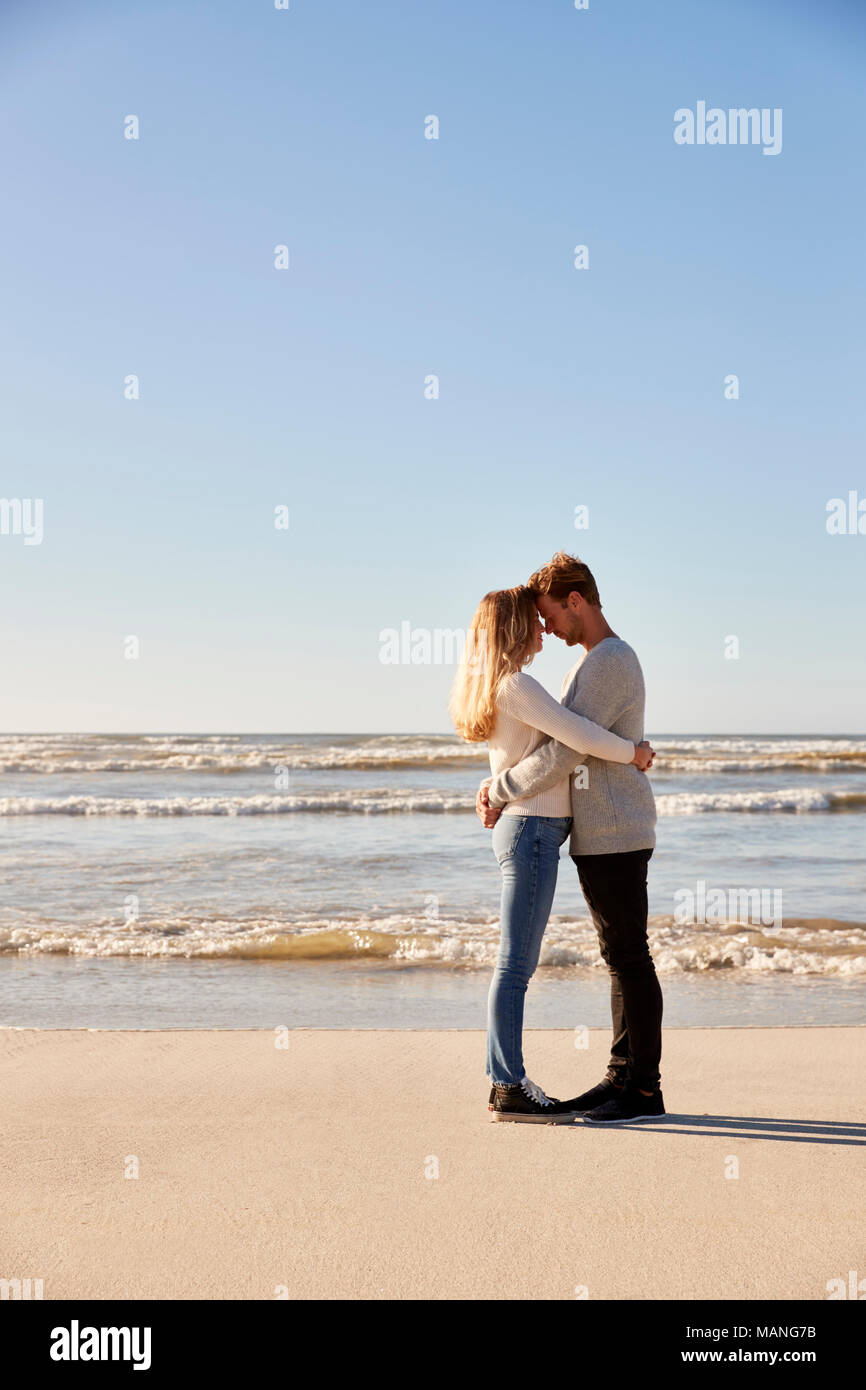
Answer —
82 753
378 801
810 948
375 801
799 799
67 753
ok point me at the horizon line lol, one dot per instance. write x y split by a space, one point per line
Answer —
404 733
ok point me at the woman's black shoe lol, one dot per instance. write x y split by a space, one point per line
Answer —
527 1103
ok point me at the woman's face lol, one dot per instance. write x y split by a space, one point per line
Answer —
538 635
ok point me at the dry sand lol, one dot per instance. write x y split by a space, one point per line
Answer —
305 1168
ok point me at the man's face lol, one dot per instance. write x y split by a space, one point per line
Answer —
562 618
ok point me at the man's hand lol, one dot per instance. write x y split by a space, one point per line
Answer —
487 814
643 755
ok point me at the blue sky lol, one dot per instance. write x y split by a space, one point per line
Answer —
408 257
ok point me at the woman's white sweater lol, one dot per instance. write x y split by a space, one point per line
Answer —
525 712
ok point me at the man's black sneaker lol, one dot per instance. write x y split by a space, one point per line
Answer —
630 1106
527 1102
597 1095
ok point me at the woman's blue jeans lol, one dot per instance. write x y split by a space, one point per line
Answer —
527 848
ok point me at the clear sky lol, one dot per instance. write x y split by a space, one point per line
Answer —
410 257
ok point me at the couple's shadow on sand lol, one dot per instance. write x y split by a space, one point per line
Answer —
750 1127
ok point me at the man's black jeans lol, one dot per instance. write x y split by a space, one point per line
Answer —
614 886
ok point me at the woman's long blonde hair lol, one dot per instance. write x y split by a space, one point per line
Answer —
499 642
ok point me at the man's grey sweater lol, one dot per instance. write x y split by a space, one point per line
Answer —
612 803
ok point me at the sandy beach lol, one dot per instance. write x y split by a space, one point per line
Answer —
363 1165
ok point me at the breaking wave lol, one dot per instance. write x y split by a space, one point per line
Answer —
81 753
805 947
379 801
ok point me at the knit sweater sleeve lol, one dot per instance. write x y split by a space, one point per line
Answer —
604 691
525 699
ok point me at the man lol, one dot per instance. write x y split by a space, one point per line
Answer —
613 833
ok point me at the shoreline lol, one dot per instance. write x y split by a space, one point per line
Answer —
315 1028
129 993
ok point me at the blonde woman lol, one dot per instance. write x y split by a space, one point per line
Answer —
493 699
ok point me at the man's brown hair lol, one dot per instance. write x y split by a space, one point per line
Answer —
563 575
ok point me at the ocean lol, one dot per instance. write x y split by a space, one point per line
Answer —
249 881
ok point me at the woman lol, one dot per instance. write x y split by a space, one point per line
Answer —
494 699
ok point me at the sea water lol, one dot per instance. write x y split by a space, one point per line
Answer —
344 881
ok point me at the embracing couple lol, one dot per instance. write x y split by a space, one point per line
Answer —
569 769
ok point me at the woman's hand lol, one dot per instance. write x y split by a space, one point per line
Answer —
487 814
643 755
